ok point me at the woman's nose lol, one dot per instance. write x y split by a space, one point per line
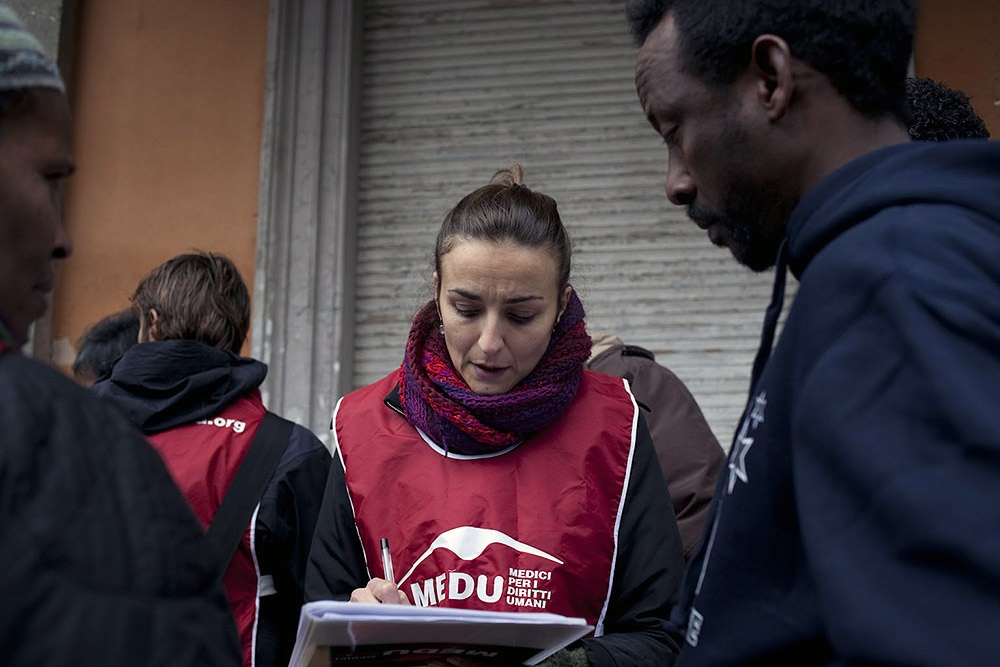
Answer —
491 336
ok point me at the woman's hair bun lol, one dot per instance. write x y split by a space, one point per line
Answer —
512 175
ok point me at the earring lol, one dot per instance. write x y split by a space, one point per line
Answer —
441 328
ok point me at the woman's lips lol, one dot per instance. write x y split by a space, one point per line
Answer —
489 372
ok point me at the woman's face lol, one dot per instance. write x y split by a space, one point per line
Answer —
498 303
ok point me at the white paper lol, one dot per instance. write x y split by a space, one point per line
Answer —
354 625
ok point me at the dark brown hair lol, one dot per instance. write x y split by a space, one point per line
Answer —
197 296
506 211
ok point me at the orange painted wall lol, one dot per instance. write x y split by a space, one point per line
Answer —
168 108
958 44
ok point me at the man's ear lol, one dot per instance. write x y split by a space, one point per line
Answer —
153 332
771 63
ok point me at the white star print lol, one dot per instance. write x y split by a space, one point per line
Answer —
738 461
738 464
757 413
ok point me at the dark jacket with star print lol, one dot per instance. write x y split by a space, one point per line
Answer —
857 522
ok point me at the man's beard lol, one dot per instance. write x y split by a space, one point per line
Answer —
750 237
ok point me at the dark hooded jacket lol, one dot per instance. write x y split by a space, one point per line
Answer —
857 523
174 390
101 560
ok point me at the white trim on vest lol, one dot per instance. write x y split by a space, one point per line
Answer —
463 457
599 626
350 500
257 596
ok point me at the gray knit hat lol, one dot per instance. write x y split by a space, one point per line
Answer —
23 63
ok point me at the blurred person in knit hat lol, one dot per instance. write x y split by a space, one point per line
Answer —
101 560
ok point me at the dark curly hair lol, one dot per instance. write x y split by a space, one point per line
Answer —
940 113
103 343
862 46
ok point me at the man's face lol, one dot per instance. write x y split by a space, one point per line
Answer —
34 161
715 164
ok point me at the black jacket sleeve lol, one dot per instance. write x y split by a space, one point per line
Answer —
286 521
648 570
336 561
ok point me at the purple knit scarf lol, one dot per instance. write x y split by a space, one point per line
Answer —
437 400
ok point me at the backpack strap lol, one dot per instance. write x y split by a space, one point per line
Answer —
231 519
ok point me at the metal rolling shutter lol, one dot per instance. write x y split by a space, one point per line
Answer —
455 89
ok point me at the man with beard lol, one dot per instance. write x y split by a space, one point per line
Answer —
101 561
856 522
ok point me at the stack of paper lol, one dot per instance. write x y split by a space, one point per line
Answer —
359 633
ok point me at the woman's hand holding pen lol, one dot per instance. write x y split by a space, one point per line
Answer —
380 590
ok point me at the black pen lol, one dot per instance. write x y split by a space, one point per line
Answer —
387 562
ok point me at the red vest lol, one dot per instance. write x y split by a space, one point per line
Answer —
531 529
203 457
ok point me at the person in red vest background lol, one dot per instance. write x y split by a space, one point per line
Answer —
503 475
198 402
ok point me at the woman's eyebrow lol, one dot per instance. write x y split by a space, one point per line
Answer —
522 299
465 294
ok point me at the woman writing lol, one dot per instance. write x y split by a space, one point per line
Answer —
504 475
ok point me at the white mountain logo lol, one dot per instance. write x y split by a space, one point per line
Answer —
469 542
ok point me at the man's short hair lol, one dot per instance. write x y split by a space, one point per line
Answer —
940 113
197 296
103 343
862 46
